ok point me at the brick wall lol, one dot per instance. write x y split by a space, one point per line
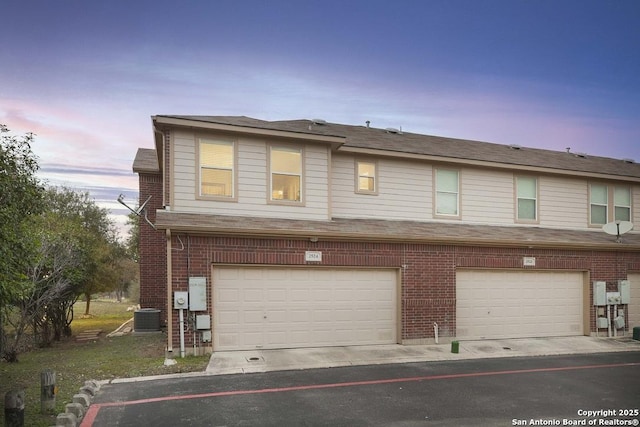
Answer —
153 253
428 271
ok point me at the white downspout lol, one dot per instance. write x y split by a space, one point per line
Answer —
608 321
182 333
169 296
615 315
435 331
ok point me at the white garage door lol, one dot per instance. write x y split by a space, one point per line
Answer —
634 306
514 304
269 307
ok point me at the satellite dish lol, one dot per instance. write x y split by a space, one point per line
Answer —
617 228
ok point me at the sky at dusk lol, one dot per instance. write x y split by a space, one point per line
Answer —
86 76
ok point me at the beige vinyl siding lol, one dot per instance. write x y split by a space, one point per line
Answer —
563 202
487 196
404 190
253 181
184 158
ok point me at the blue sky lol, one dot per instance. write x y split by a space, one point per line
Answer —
86 76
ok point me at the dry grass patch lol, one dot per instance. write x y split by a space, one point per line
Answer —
103 359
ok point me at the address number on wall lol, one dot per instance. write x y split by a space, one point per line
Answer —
313 256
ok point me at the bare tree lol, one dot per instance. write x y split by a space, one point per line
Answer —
51 287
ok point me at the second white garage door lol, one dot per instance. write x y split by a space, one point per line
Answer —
634 305
518 304
271 307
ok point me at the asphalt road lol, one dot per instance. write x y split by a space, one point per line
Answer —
551 390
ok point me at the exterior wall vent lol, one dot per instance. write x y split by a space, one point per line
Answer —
581 155
394 131
319 122
515 146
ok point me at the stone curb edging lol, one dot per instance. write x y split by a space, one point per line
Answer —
74 412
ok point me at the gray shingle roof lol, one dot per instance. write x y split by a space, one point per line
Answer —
397 231
362 137
146 161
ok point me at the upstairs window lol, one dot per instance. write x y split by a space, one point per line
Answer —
599 200
526 198
216 168
286 174
447 192
609 203
366 177
622 203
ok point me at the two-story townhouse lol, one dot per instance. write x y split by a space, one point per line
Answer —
305 233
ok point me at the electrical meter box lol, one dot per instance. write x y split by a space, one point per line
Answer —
599 293
198 294
180 300
625 291
603 322
203 321
613 298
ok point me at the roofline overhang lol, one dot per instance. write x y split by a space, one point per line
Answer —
164 121
291 233
158 137
486 164
301 235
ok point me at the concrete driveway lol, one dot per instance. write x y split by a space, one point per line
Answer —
233 362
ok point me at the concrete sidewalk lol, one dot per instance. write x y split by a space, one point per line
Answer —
234 362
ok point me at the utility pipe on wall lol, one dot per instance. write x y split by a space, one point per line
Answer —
608 321
435 331
169 296
182 332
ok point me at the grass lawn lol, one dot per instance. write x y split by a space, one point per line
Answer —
103 359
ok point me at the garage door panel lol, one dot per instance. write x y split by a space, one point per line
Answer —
302 307
321 295
343 294
508 304
229 274
228 295
227 317
252 317
385 315
228 340
249 339
252 295
300 316
345 315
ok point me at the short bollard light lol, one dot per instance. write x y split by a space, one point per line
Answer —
48 391
455 346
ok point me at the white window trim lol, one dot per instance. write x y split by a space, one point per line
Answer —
613 201
517 218
435 195
590 203
611 206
